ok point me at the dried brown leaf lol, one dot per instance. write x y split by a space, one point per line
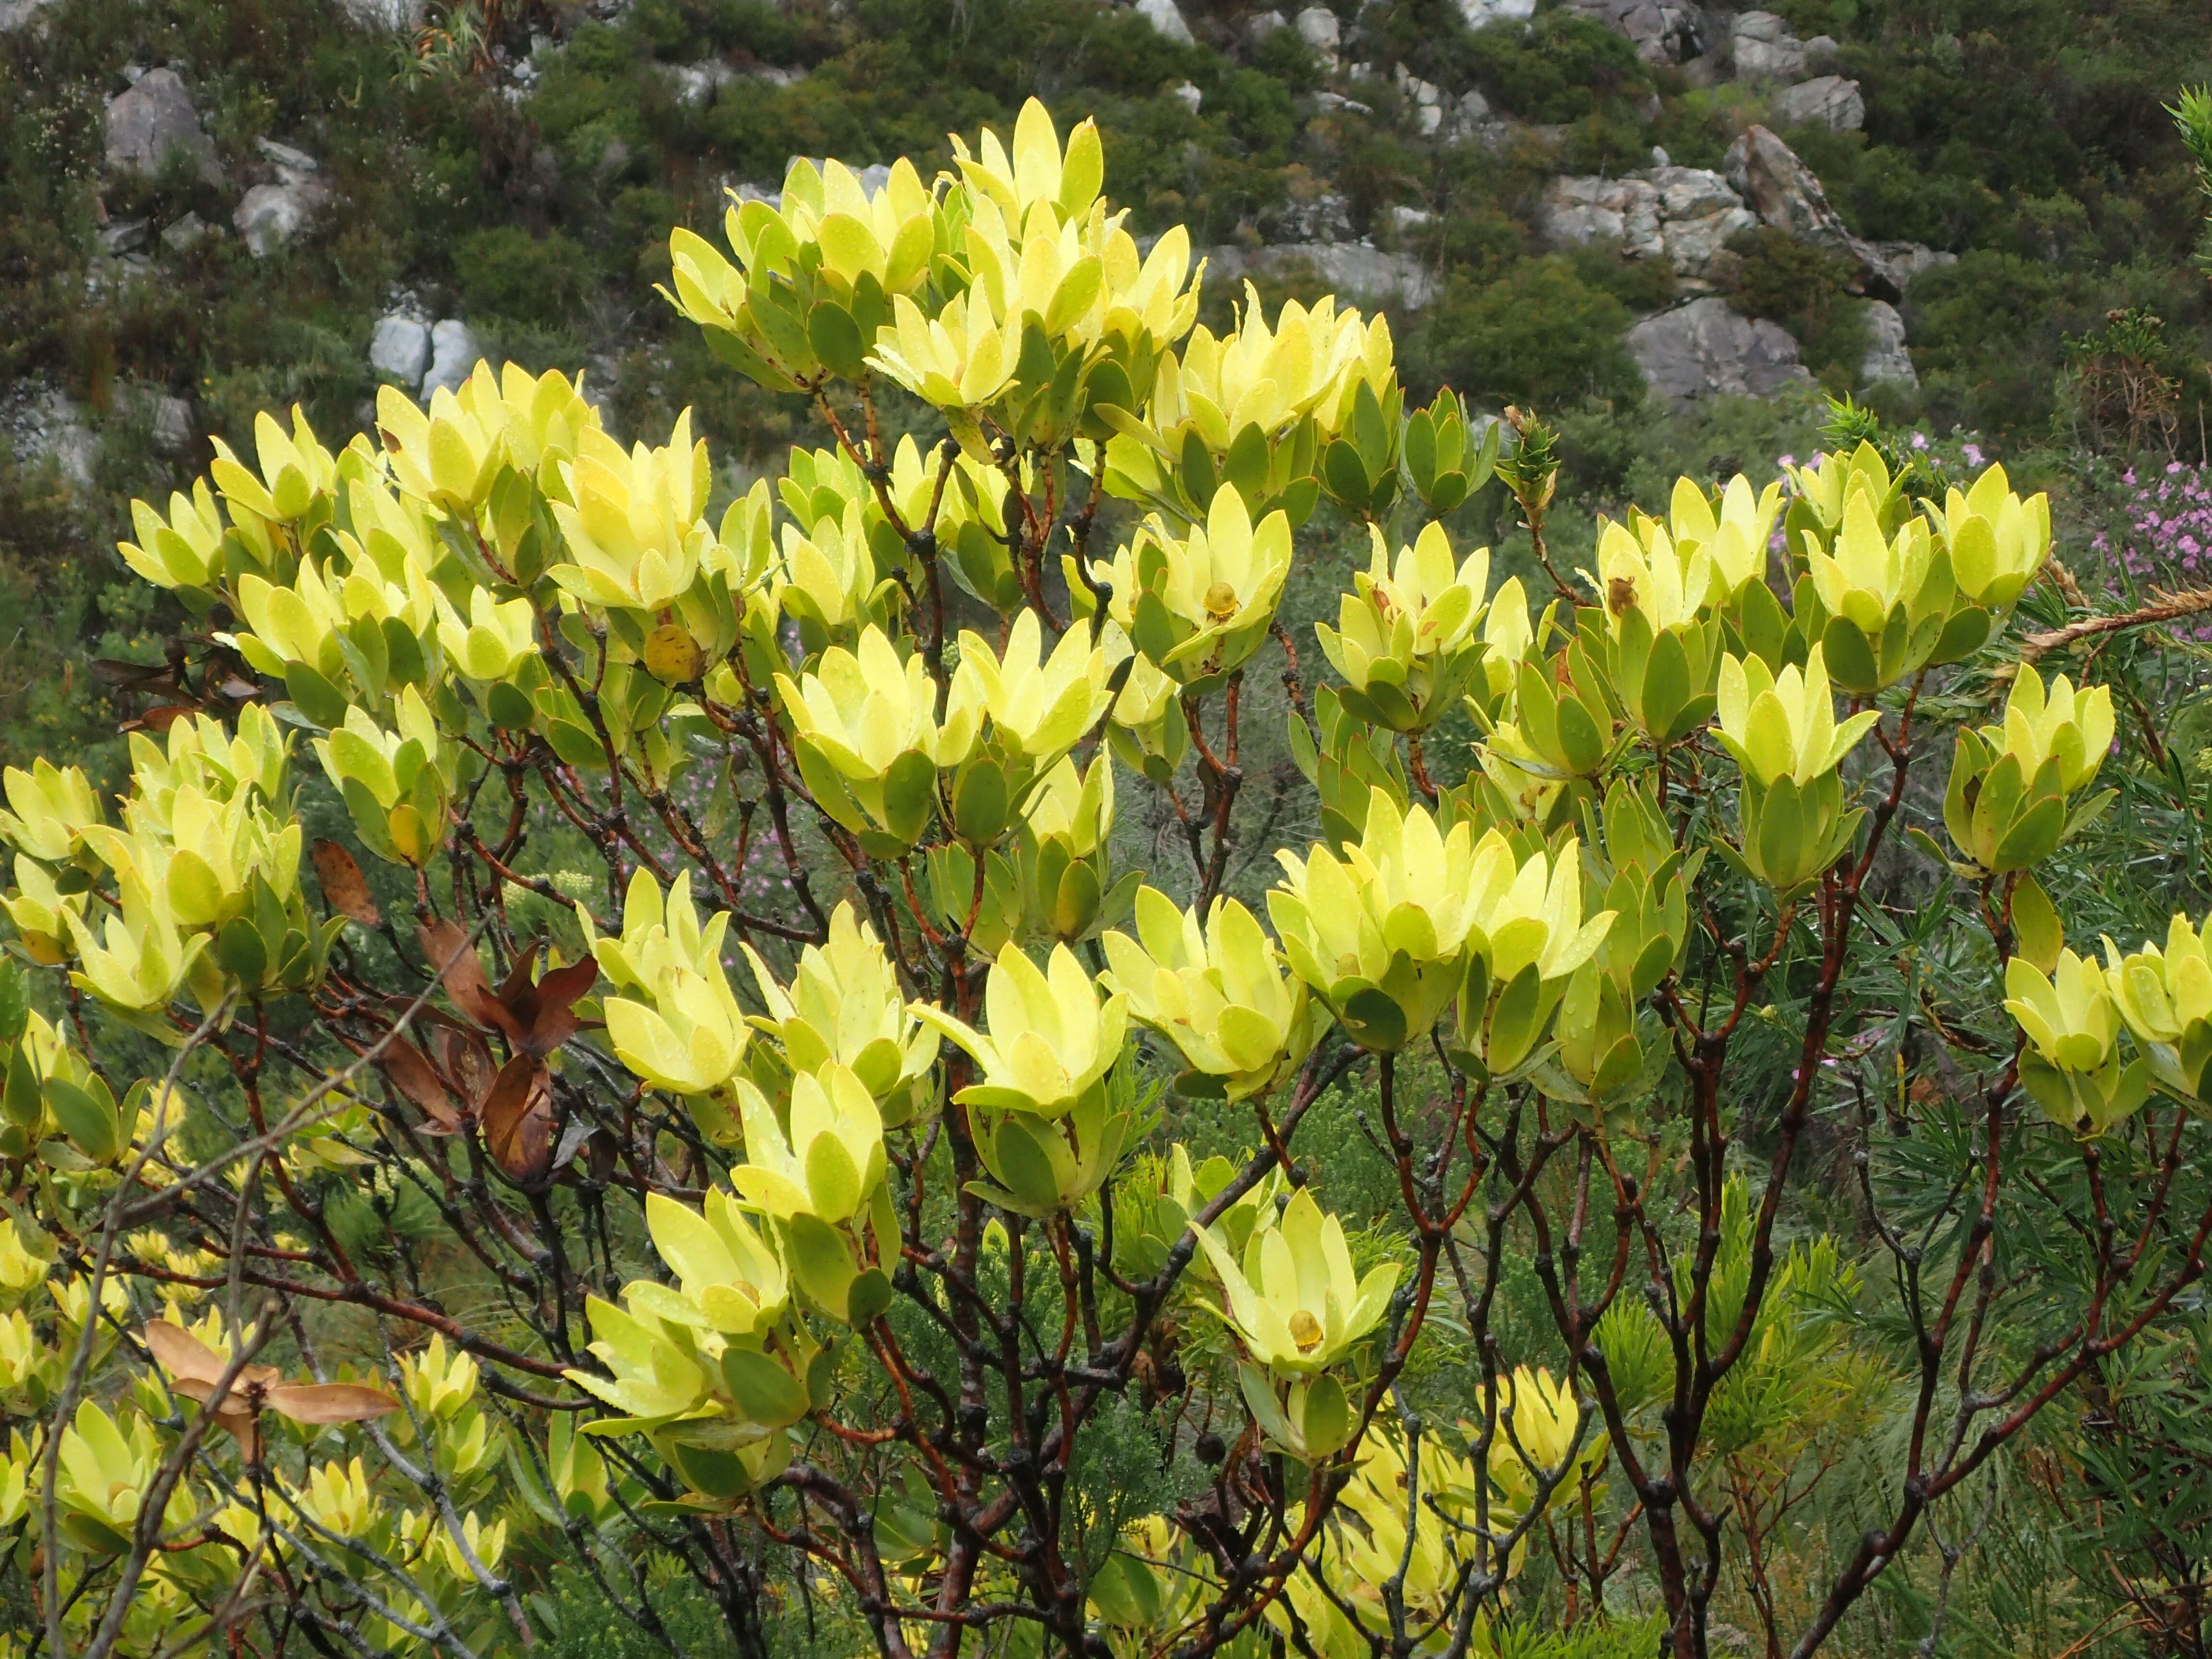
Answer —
517 1118
329 1402
345 889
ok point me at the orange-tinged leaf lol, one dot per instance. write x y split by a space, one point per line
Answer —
453 957
344 887
329 1402
517 1117
403 1062
183 1355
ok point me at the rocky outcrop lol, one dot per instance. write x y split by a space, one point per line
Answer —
1356 273
1885 358
1163 16
453 356
399 348
1703 350
271 214
153 121
20 13
1480 12
1784 193
1317 27
396 16
1684 216
1827 100
1764 50
1664 31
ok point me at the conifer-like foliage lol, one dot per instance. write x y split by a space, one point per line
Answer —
610 1043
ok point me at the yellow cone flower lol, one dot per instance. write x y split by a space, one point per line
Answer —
683 1030
831 1159
2164 995
1294 1301
1200 604
844 1005
185 551
1406 639
1218 992
52 804
1047 1037
637 530
448 455
1043 704
2071 1067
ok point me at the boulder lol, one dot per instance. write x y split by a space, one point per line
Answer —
1690 192
1479 13
1783 190
1703 350
151 121
1188 96
1694 245
1827 100
453 356
1885 358
399 348
1664 31
1163 16
1351 270
1576 210
1262 24
1766 50
1906 260
1313 213
271 214
186 234
49 426
396 16
1317 27
695 84
19 14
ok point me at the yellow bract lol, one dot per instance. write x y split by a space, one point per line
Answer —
636 529
1048 1038
1217 991
683 1030
1784 725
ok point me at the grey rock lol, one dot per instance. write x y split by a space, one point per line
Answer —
1664 31
1262 24
1480 12
1329 100
1188 96
1351 270
153 119
1703 350
18 13
1908 259
1425 94
287 160
1660 158
187 233
269 215
1691 193
698 83
1312 216
1885 358
395 15
1784 193
168 420
453 356
1694 245
1403 218
1317 27
48 426
1577 211
1766 50
399 348
1828 101
124 236
1473 109
1163 16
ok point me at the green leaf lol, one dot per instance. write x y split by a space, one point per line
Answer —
87 1117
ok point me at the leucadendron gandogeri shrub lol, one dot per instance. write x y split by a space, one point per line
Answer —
715 1114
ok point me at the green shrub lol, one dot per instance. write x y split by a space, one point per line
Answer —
1540 334
508 272
1556 67
1775 275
